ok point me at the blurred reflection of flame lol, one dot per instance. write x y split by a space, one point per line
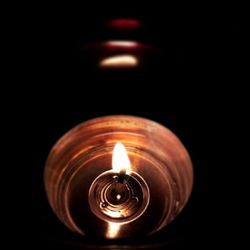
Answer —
122 44
124 23
119 61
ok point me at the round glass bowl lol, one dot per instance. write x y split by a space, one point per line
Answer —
90 197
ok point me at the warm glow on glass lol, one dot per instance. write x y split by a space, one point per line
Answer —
119 61
113 230
120 160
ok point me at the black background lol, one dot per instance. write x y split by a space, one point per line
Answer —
192 85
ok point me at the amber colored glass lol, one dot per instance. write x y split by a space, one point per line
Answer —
90 198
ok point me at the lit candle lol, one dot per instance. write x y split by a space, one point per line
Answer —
118 176
119 195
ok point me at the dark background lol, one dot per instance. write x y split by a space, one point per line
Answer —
191 84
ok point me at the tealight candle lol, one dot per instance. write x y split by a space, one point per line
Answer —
118 176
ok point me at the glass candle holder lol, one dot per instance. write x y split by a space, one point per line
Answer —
118 176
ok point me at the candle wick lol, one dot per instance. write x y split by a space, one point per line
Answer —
123 178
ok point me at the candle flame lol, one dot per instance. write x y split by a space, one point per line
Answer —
120 160
119 61
113 230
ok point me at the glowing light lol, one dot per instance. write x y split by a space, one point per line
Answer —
119 61
125 23
118 197
122 44
115 214
113 230
120 160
